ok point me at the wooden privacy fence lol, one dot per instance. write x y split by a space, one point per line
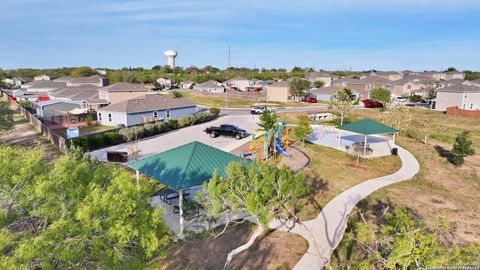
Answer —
55 139
465 113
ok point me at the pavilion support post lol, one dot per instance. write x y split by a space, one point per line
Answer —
365 147
393 142
137 176
340 138
180 205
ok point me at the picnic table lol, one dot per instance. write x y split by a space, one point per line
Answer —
167 195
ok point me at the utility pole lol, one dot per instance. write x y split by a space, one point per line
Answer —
229 56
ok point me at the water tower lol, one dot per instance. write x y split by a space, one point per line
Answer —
171 54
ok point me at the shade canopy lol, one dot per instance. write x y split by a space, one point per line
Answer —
186 166
368 127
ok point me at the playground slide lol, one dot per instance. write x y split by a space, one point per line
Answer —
279 148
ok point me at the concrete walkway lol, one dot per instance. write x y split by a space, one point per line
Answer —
325 232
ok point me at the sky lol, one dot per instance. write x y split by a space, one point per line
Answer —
323 34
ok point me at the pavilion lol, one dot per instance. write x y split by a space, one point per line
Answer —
367 127
184 167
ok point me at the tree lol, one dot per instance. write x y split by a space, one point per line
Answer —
462 147
76 213
400 242
319 83
450 69
177 94
341 103
398 116
6 117
83 72
268 119
381 95
297 87
261 191
303 130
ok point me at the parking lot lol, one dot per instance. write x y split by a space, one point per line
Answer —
164 142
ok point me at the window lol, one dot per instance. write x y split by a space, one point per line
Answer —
109 117
99 116
155 114
168 113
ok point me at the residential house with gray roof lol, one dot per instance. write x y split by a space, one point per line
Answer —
121 91
210 87
460 95
147 108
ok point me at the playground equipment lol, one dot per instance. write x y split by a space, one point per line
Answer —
270 145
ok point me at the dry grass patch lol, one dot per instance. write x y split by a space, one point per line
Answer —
275 250
331 172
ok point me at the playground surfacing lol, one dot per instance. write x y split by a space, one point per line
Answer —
329 136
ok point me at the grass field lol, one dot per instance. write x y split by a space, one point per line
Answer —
219 102
441 192
331 172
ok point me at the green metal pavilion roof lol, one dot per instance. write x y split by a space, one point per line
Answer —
368 127
186 166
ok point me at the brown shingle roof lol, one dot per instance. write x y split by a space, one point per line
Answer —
125 87
149 103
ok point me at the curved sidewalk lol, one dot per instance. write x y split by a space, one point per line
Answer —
325 232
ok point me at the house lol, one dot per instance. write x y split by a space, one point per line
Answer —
43 86
436 75
187 84
42 78
53 108
87 95
279 92
95 80
165 83
325 93
319 76
364 85
389 75
17 81
452 75
413 85
239 83
147 108
463 96
122 91
210 87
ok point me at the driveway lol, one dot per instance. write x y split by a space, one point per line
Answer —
167 141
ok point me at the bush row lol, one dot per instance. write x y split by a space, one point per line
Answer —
128 134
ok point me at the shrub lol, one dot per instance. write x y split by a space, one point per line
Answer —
415 98
96 141
173 123
138 132
187 121
111 138
177 94
25 103
149 129
88 120
79 142
203 117
215 111
127 134
161 127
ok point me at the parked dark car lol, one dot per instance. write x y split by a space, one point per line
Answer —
226 130
368 103
310 100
